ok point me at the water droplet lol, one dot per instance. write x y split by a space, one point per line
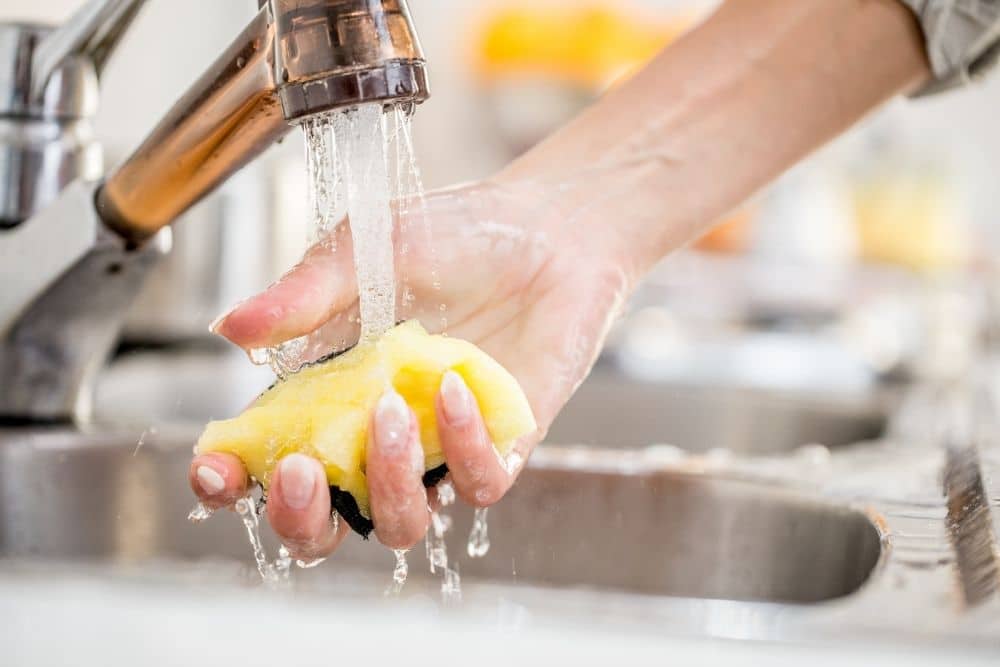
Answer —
479 539
451 586
274 575
307 564
513 462
200 513
141 442
446 493
260 356
399 573
282 565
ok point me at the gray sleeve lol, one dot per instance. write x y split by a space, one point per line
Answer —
963 39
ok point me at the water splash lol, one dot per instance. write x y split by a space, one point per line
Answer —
437 549
282 565
446 493
142 439
451 586
399 573
288 357
479 538
200 513
411 209
259 356
512 464
325 191
274 575
248 513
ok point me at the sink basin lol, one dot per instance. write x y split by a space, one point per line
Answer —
104 498
612 410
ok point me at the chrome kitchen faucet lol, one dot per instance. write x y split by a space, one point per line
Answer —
75 247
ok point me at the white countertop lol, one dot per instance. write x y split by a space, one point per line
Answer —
84 619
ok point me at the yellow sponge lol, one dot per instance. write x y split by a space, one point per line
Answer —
325 411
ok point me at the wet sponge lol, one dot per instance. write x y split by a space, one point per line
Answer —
325 411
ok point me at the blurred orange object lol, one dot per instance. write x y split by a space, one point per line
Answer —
589 45
731 235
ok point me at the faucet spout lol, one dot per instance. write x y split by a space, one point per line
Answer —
295 59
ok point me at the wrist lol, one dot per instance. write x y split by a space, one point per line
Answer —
613 211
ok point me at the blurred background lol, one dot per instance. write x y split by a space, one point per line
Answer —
866 266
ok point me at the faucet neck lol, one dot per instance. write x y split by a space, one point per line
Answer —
296 58
226 119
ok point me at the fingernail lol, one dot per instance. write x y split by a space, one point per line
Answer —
456 399
298 481
392 421
217 322
210 481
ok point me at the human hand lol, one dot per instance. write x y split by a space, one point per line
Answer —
516 276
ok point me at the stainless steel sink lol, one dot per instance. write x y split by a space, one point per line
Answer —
612 410
107 498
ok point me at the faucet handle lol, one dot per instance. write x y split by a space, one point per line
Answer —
92 33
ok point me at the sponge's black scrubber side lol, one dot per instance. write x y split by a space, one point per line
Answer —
347 507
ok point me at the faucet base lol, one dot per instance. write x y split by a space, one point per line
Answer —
52 347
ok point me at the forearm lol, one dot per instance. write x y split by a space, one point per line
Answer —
722 112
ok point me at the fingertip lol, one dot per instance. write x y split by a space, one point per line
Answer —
300 302
486 494
269 318
217 479
477 473
457 407
395 474
298 508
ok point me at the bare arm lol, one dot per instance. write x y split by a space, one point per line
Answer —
723 111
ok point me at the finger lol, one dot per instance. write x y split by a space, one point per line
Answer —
317 288
479 476
218 479
395 465
298 508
